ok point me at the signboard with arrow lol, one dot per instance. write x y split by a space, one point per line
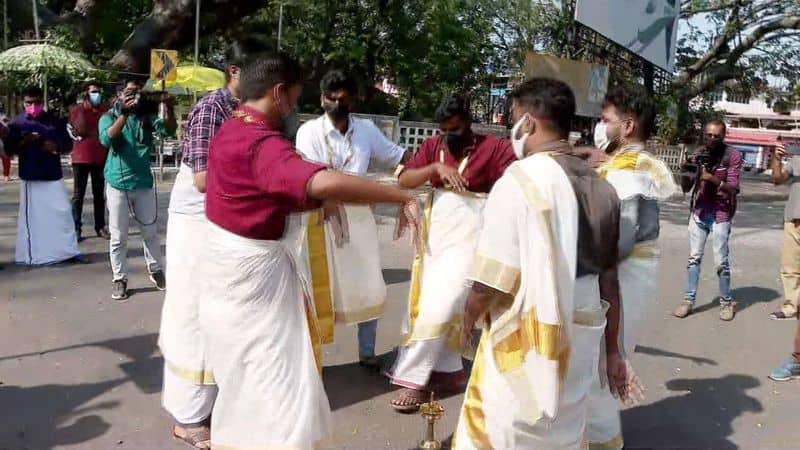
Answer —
163 64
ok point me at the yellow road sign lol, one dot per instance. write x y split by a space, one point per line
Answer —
163 64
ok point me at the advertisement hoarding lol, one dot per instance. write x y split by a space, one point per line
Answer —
648 28
588 82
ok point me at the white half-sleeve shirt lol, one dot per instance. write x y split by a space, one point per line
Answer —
318 140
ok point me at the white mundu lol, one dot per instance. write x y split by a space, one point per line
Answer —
264 345
432 326
347 282
45 230
189 389
540 349
640 180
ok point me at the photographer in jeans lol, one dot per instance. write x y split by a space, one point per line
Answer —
790 264
127 131
712 174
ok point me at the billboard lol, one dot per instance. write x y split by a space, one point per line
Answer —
588 82
648 28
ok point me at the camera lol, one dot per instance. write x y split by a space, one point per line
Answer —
146 102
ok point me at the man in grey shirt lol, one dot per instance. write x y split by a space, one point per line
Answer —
790 264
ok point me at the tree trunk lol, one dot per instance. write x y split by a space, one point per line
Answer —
170 25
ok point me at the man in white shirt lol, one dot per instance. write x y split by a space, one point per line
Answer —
344 265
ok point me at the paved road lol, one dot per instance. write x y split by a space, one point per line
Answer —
79 371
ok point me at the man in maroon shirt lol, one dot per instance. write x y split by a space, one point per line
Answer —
262 338
462 166
88 158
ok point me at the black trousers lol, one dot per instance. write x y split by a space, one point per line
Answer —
81 173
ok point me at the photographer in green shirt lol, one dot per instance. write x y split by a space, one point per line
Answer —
127 130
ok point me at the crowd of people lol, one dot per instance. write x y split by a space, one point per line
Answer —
542 255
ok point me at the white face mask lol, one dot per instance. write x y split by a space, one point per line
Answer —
519 144
601 140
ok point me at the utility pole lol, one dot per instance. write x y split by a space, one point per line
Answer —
280 25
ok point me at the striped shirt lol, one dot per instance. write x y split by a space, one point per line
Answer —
202 124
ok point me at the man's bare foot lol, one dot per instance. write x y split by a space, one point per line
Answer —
196 437
408 400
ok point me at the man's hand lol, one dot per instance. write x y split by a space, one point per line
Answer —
334 213
780 150
29 138
705 175
128 102
623 382
50 147
410 216
451 178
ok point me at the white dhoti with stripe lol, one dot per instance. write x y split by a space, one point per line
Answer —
540 350
347 281
263 344
45 228
640 180
189 389
439 289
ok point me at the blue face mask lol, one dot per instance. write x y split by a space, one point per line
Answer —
95 98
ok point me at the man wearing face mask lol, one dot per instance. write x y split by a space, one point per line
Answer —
346 271
462 166
712 174
189 389
45 230
640 181
88 158
262 334
546 255
127 131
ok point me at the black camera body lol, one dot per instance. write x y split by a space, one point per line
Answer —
706 158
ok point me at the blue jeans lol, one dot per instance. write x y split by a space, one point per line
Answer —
366 338
699 229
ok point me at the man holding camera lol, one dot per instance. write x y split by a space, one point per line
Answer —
712 174
127 131
790 264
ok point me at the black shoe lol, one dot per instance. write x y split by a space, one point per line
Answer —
79 235
103 233
159 280
119 290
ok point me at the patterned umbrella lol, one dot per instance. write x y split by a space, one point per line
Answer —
43 59
38 58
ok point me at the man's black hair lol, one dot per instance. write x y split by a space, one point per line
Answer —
92 83
336 80
263 72
547 99
634 100
718 122
125 81
453 105
33 92
235 56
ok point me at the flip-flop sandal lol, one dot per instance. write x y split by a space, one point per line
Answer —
197 439
408 400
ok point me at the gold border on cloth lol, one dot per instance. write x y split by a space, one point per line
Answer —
200 377
416 269
496 274
473 415
531 334
320 276
617 443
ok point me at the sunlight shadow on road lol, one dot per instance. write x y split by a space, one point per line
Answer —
645 350
678 422
35 417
